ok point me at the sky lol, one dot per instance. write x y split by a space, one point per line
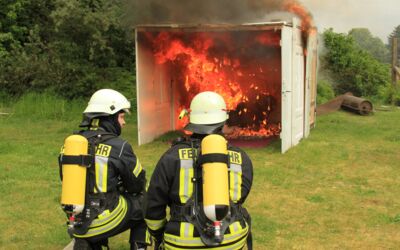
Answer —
379 16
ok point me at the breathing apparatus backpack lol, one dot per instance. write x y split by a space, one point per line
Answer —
76 162
209 209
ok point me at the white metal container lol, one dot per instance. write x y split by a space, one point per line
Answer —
158 95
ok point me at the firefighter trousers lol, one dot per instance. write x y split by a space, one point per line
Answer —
133 220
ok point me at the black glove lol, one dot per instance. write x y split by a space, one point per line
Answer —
158 243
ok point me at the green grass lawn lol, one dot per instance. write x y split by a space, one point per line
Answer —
340 188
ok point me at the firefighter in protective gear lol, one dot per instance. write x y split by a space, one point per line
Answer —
174 183
115 182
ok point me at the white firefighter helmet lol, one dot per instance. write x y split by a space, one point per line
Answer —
107 102
207 113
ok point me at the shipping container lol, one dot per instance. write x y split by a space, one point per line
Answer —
266 73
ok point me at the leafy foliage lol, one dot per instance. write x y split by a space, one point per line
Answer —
67 46
325 91
354 69
373 45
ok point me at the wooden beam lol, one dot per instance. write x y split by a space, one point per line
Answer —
395 58
397 70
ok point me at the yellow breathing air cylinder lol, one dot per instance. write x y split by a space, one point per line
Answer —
74 176
215 179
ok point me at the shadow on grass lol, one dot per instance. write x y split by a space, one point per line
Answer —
273 146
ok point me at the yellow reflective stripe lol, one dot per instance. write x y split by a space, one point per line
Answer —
239 186
112 223
196 241
231 185
155 224
238 245
138 168
104 214
235 182
105 218
234 227
101 167
186 229
148 237
186 174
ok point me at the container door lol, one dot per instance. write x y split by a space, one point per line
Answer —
297 88
311 82
286 45
153 96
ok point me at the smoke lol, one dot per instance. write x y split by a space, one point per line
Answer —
215 11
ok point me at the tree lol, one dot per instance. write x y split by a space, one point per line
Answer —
373 45
25 29
354 69
395 33
20 20
71 47
92 31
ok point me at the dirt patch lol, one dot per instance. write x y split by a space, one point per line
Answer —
331 106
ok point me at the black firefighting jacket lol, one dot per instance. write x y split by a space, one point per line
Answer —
116 170
171 184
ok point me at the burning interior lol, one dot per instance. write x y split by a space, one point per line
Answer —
245 64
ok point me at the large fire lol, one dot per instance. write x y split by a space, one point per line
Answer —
307 22
244 67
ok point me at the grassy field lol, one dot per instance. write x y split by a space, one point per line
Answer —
339 189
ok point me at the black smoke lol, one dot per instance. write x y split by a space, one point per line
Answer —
203 11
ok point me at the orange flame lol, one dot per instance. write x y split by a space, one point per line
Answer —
307 22
202 74
204 61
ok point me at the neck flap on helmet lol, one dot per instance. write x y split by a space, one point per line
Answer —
111 124
205 129
107 122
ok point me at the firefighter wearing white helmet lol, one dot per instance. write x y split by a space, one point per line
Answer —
204 180
103 181
107 101
207 113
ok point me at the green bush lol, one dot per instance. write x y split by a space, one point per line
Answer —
354 69
68 47
325 92
24 73
391 94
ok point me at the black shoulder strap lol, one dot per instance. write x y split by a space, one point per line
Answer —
100 135
209 158
199 220
94 138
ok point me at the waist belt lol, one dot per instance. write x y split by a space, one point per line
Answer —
95 204
179 213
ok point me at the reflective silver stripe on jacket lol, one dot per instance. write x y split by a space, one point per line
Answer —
185 180
101 173
235 172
